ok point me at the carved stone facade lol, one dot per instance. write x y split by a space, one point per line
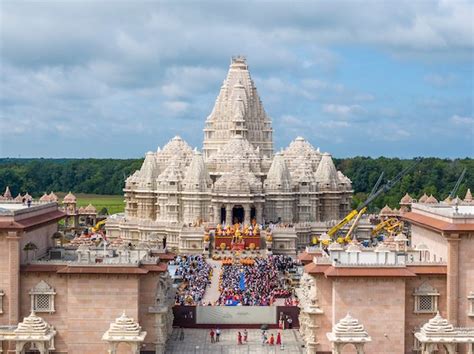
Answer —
237 178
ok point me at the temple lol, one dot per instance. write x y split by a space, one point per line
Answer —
236 179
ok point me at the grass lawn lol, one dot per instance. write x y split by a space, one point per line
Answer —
113 203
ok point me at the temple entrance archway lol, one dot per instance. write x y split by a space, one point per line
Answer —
253 213
223 215
238 214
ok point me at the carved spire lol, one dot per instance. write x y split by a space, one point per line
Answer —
278 177
238 110
468 197
326 174
197 178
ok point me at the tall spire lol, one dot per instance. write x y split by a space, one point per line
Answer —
197 178
238 110
278 177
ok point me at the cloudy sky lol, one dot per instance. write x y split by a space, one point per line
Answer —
119 78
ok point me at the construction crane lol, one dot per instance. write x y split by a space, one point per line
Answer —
452 195
390 225
363 207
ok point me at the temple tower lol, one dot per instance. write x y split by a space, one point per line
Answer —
238 111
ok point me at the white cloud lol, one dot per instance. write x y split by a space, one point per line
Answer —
439 81
460 120
176 107
342 110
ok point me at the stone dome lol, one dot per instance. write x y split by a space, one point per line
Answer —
238 182
468 196
349 327
423 198
32 326
44 198
90 209
431 200
437 325
53 197
406 199
124 326
69 198
386 210
175 149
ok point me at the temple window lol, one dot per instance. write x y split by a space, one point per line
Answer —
426 299
1 300
470 299
42 298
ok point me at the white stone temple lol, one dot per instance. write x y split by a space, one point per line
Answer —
236 178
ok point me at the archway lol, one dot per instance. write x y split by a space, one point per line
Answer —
238 214
253 214
223 215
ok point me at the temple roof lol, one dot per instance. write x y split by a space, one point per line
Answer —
303 149
33 326
386 210
124 329
177 149
172 173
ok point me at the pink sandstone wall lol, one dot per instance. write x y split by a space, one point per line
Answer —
148 290
437 244
379 304
4 276
324 294
41 237
413 320
85 306
466 279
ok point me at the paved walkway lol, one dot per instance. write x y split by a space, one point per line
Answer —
212 292
197 341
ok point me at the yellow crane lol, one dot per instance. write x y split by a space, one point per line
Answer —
98 226
373 195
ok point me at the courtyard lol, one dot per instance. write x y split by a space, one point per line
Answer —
198 341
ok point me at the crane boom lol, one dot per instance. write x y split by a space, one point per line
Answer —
458 183
363 207
377 184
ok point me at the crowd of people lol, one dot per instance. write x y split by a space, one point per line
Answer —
257 285
196 274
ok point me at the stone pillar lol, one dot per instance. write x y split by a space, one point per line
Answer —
217 214
246 214
14 277
258 213
453 279
228 214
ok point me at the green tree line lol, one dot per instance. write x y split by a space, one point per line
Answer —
106 176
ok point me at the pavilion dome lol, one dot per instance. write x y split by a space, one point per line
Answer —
431 200
386 210
69 198
406 199
124 326
349 327
423 198
53 197
18 198
353 248
32 326
44 198
448 200
468 196
335 247
401 237
437 325
90 209
28 197
7 194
